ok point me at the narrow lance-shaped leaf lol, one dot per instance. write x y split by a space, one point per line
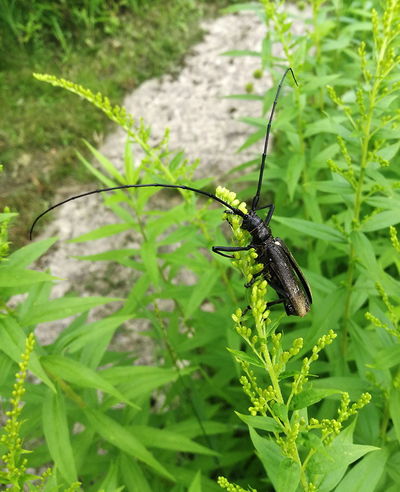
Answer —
23 257
12 343
80 375
283 472
365 474
121 438
328 468
55 426
62 308
308 228
20 277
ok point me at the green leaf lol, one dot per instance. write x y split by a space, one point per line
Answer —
325 285
354 385
195 485
365 475
110 480
26 255
146 378
178 159
99 175
180 234
107 164
165 439
62 308
392 203
120 437
104 231
251 139
333 187
266 54
136 296
365 253
6 216
308 228
281 410
200 292
328 466
283 472
55 427
133 477
12 343
394 406
387 357
20 277
90 332
245 357
389 151
393 468
131 170
253 121
80 375
318 82
323 155
148 253
381 220
336 44
310 395
293 172
263 423
359 26
328 125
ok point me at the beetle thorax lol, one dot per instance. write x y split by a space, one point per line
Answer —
256 226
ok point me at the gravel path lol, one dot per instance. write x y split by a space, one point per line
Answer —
202 123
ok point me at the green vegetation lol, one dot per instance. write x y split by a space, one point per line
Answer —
109 46
308 404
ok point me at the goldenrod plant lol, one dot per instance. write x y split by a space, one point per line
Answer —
82 381
269 402
276 405
14 474
335 176
281 410
14 462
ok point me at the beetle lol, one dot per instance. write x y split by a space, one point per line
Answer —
280 269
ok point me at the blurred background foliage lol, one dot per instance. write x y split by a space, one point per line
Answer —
111 46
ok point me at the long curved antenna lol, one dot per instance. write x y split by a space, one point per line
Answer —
264 155
182 187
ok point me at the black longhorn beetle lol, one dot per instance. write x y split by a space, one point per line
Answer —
280 268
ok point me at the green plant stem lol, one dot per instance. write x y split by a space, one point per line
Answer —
365 140
316 4
69 392
385 422
271 372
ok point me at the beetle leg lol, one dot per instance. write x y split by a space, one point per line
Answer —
262 208
269 304
272 303
246 310
249 284
271 210
232 249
